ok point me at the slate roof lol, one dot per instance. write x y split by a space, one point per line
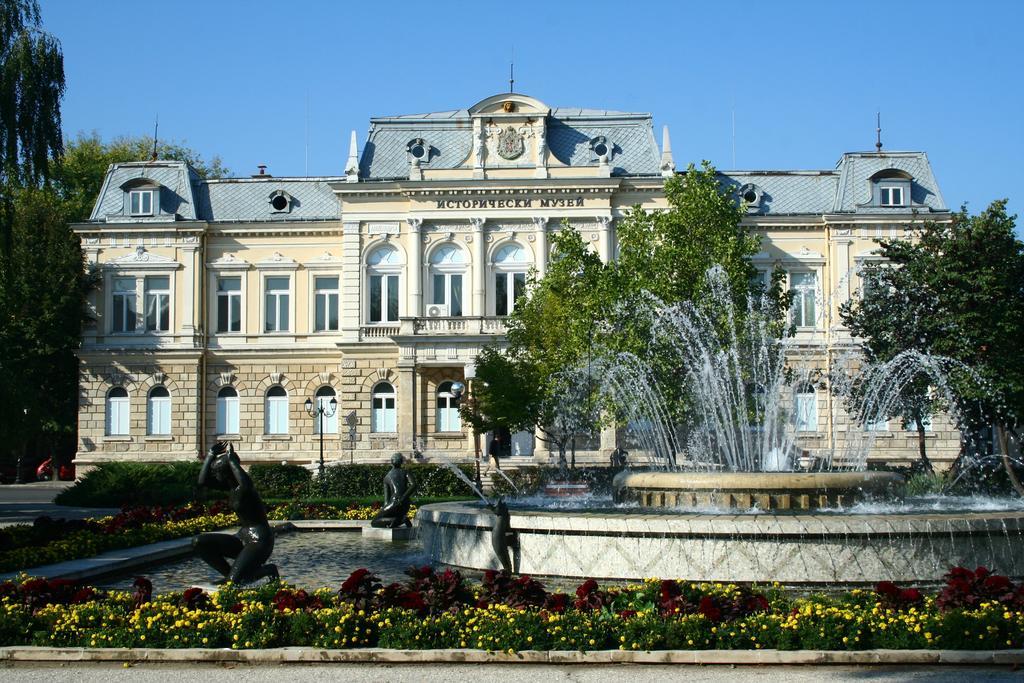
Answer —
569 130
847 189
186 196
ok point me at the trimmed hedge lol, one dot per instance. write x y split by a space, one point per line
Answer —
121 484
130 484
532 480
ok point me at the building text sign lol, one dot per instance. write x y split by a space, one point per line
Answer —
514 203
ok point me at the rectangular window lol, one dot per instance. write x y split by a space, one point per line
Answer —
160 416
448 291
326 303
141 202
229 306
879 425
891 196
805 289
806 412
227 414
501 294
384 414
518 287
383 298
123 303
927 422
158 303
276 313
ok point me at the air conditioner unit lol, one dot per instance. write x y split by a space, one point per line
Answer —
437 311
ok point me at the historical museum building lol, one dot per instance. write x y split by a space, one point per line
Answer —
226 304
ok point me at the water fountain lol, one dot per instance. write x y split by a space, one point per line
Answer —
735 498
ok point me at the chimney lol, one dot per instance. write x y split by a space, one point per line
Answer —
263 172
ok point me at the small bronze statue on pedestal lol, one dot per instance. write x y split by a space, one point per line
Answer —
398 488
503 538
252 546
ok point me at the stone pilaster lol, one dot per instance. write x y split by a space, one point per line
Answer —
415 309
351 279
605 249
406 405
541 225
479 267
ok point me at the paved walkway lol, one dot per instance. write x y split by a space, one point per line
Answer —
448 673
22 503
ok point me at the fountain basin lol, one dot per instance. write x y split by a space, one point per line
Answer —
793 548
764 490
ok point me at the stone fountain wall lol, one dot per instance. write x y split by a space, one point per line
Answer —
789 548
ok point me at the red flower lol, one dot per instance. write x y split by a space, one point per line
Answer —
708 609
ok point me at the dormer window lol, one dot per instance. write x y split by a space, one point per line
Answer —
890 196
140 202
890 188
280 201
751 195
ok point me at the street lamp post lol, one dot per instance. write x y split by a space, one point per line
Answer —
319 411
464 395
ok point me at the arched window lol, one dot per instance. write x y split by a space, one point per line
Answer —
275 418
447 269
383 417
330 415
117 412
806 409
159 409
227 411
447 419
510 266
383 268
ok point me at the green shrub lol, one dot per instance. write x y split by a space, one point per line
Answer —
925 483
532 479
120 484
278 480
432 481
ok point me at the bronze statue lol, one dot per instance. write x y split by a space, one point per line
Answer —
398 487
502 537
252 545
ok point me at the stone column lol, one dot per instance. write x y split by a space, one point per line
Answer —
479 267
415 290
604 245
406 404
351 281
541 224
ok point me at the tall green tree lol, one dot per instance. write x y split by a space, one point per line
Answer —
31 86
583 308
954 289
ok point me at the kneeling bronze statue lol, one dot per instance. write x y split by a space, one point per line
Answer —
252 545
398 487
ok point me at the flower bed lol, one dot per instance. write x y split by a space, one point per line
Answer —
48 541
976 610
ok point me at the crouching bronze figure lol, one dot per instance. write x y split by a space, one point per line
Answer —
252 545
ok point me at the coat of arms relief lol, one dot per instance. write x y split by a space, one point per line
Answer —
509 141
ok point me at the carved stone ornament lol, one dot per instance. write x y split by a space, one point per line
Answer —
510 144
275 377
325 378
226 378
158 378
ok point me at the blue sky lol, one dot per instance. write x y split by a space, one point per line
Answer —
804 79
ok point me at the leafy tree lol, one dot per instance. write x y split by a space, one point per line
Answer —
42 303
895 313
31 86
583 309
956 289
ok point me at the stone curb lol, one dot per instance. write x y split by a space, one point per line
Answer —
127 559
303 655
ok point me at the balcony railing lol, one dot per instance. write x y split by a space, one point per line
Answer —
449 326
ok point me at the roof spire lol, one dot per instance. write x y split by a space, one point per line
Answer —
156 129
878 132
668 164
352 165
